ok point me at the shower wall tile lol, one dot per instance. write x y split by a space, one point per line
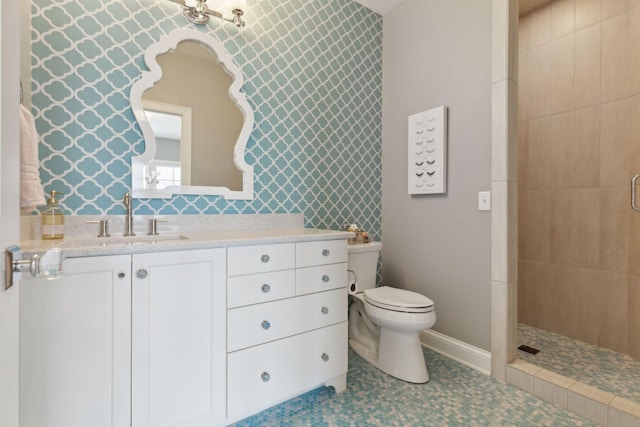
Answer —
534 225
562 17
612 311
536 29
586 89
533 294
540 171
561 142
523 155
562 73
634 316
614 7
574 153
614 143
504 150
504 231
576 298
634 135
634 243
634 48
614 229
588 12
615 58
583 164
535 82
524 297
575 233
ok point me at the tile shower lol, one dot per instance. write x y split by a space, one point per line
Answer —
578 131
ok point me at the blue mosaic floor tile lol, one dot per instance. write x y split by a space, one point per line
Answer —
455 396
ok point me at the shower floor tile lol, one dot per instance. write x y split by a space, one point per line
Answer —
455 396
599 367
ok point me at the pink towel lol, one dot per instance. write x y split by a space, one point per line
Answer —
31 191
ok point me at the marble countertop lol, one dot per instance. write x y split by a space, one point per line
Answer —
82 246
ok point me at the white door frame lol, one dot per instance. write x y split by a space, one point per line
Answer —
9 207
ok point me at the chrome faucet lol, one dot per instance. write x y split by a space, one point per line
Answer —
128 221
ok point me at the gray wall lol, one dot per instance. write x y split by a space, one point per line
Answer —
438 52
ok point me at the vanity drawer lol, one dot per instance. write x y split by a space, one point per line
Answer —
321 278
259 288
322 252
261 323
260 259
261 376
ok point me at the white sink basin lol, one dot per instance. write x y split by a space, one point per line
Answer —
121 240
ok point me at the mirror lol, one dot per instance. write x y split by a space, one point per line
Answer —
194 119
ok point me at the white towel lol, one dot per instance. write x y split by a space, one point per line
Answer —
31 191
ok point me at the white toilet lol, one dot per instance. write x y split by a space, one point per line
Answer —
385 323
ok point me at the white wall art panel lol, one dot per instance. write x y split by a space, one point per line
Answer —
427 154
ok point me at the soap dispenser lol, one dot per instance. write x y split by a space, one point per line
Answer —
52 226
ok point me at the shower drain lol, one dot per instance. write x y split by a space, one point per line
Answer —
528 349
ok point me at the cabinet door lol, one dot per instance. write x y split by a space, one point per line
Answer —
179 336
75 345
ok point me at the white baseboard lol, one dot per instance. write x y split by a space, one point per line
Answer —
457 350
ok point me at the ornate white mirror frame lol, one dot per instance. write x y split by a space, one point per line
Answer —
149 78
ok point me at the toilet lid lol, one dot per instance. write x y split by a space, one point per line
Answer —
394 299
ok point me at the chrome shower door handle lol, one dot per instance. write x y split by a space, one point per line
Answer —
633 193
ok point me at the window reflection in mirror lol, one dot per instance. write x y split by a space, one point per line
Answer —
193 79
165 169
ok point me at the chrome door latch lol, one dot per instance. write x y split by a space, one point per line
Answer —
48 264
633 193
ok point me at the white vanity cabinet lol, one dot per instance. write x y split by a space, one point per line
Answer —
286 322
75 345
126 340
192 338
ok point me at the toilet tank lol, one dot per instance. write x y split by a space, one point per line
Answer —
363 266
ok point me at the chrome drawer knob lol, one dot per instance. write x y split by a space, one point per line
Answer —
265 258
265 377
142 273
121 275
266 325
325 278
325 357
265 288
326 252
325 310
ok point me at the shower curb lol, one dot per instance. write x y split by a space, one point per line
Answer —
589 402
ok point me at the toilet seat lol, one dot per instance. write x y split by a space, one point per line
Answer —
401 300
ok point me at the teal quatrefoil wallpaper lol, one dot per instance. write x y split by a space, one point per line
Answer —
313 75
